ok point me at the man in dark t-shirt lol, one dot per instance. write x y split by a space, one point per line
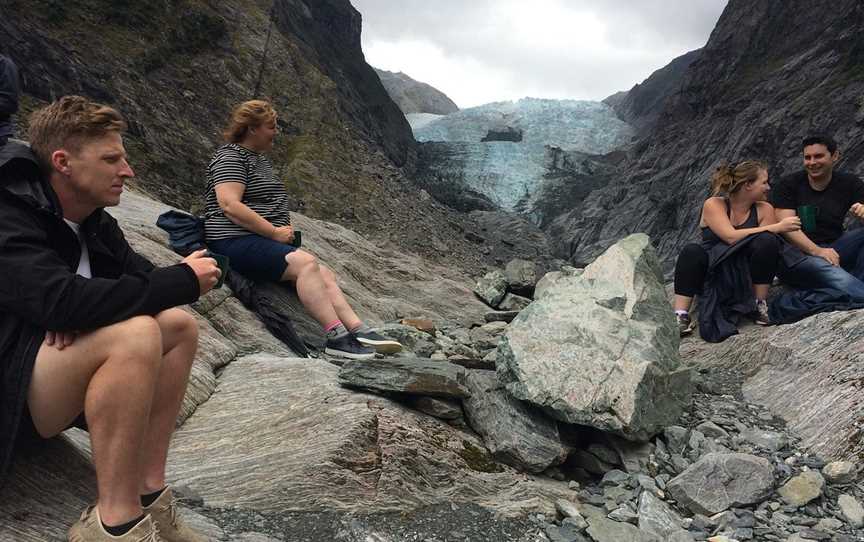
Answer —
833 260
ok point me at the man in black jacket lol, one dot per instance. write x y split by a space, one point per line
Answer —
8 97
87 328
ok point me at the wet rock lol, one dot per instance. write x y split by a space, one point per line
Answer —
491 288
803 488
613 363
414 376
719 481
515 433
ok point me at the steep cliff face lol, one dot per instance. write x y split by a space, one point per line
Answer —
415 97
641 106
174 69
771 72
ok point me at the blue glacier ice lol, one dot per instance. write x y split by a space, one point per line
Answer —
507 172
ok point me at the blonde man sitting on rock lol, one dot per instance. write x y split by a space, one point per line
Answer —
88 335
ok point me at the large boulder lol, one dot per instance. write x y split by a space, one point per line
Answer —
516 434
720 481
601 349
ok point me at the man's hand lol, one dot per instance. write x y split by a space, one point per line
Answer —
60 339
857 210
828 254
284 235
205 269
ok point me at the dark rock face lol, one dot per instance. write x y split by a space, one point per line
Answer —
415 97
507 134
641 106
765 79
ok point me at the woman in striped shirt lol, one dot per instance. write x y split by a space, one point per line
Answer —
247 219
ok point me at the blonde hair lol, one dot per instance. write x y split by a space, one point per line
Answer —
67 123
251 114
729 178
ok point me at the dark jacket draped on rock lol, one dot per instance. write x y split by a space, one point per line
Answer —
39 290
8 95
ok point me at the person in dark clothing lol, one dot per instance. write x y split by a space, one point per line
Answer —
87 328
736 214
829 274
8 97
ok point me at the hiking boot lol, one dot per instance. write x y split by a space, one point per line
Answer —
380 343
760 315
346 346
171 528
685 325
89 529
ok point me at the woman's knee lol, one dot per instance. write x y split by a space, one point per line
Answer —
765 242
300 260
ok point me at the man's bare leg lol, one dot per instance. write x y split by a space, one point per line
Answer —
110 374
304 271
337 298
179 332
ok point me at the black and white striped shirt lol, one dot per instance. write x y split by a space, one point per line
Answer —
264 194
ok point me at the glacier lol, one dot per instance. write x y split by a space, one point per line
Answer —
508 168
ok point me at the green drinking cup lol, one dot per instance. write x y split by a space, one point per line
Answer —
808 214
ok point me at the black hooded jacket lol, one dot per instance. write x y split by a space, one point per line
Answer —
39 290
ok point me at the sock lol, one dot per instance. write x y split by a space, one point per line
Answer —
120 530
682 312
150 498
362 328
335 329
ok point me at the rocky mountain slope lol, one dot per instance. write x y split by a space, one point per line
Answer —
765 79
642 105
414 96
176 68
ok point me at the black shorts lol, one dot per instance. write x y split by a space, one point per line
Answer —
28 434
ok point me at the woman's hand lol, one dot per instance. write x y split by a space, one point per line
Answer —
790 223
284 234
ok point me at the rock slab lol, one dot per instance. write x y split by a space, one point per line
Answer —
515 433
719 481
413 376
601 349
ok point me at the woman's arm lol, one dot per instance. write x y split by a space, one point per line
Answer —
230 198
714 215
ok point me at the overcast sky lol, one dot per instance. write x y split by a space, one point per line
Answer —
481 51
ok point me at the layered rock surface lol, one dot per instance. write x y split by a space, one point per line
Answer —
599 349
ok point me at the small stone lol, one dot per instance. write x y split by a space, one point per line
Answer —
491 288
578 523
615 477
767 440
567 509
829 524
803 488
624 514
840 472
851 510
573 485
712 430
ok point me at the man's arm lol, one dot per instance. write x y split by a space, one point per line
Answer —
8 88
800 240
36 284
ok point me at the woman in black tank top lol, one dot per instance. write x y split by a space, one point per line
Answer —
737 211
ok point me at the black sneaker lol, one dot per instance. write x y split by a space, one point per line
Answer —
346 346
685 325
381 344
